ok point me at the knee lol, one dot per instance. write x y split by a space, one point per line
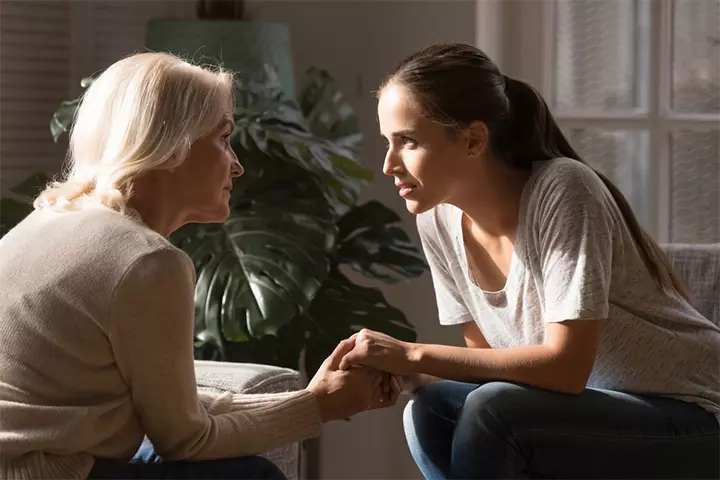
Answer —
430 396
497 400
415 417
428 405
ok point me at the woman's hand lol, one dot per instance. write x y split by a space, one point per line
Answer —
381 351
343 393
388 392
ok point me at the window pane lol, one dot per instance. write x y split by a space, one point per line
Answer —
695 215
696 56
620 155
601 55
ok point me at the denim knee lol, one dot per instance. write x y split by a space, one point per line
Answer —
495 408
496 398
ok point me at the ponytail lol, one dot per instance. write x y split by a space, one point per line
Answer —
542 139
531 120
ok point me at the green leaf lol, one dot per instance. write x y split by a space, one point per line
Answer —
262 267
372 244
32 185
267 123
12 212
330 116
334 168
63 118
86 82
342 308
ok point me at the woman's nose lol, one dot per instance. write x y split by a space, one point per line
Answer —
392 164
236 169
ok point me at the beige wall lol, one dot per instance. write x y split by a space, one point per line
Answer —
358 42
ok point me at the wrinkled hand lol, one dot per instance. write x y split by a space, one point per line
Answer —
343 393
381 351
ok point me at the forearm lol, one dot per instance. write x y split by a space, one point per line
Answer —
538 365
233 425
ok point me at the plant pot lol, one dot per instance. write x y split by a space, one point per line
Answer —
240 46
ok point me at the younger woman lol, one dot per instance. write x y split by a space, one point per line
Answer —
584 356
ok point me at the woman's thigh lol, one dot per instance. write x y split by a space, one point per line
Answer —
147 464
599 433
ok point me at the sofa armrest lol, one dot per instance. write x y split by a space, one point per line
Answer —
251 378
246 377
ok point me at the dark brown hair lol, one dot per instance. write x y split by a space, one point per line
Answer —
457 84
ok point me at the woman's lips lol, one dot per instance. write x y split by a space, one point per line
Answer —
405 189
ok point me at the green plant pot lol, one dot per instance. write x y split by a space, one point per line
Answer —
241 46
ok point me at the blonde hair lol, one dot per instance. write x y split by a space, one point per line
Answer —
141 114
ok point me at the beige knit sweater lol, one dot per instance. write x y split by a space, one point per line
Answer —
96 350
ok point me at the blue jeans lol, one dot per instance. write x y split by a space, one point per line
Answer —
504 430
146 464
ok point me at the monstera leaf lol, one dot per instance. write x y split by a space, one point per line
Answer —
374 245
269 125
262 267
327 111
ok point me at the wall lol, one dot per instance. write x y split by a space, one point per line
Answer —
46 47
358 42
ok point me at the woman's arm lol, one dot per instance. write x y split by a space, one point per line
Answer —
151 334
473 338
563 363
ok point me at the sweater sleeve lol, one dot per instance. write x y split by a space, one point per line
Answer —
151 333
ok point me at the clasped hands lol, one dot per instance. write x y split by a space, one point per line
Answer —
367 371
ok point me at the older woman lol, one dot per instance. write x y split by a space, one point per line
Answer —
96 311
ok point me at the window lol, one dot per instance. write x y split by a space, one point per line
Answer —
635 85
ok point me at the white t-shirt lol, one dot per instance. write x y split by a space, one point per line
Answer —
574 258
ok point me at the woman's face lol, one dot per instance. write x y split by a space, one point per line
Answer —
205 177
423 158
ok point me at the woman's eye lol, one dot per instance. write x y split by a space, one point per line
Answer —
409 141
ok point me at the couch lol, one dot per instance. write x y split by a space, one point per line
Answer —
254 378
697 265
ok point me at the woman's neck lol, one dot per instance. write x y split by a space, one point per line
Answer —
155 206
491 200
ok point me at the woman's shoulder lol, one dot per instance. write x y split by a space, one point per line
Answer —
122 232
101 237
566 175
566 184
438 222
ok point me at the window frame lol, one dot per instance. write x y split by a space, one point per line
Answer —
527 39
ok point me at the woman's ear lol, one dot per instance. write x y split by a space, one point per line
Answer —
477 138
